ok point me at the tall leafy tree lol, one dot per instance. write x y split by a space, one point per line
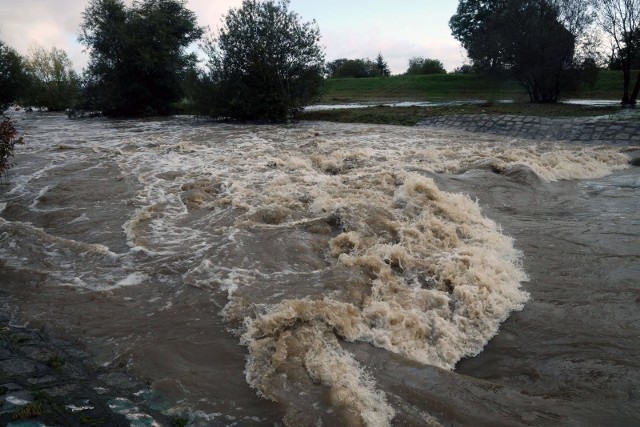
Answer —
53 83
266 63
13 79
138 55
621 20
529 39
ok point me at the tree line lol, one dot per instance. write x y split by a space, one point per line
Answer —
364 67
266 63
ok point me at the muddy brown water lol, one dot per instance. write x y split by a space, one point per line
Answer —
333 274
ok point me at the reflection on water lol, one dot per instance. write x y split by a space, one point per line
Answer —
341 273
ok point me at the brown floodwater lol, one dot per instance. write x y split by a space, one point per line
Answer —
330 274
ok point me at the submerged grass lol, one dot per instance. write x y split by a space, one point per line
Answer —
409 116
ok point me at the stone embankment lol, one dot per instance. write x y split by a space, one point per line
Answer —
48 382
589 130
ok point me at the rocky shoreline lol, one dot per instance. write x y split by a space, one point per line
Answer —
587 130
45 381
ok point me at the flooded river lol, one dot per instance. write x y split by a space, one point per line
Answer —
328 274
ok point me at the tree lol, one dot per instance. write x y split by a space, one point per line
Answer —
13 78
621 20
345 68
419 65
53 83
265 63
524 38
137 55
382 69
471 26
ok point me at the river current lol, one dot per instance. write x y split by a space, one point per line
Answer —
329 274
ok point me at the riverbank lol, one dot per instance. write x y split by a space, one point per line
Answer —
410 116
586 130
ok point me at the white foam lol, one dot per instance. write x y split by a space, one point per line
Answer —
133 279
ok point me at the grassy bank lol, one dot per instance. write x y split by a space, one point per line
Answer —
409 116
449 87
452 87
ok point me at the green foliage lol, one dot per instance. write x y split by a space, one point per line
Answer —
471 26
53 84
13 79
56 363
137 55
358 68
8 140
419 65
463 69
525 39
382 69
265 64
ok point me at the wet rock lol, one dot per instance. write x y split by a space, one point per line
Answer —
11 367
47 382
118 380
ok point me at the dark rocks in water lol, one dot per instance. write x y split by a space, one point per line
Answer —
635 161
521 173
72 392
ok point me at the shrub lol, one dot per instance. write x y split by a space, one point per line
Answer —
8 140
265 64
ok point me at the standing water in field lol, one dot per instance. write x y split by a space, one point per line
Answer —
324 274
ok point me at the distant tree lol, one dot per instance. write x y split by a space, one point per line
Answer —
621 20
341 68
266 63
463 69
524 38
13 78
53 83
137 55
382 69
419 65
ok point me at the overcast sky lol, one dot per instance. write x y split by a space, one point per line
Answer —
399 29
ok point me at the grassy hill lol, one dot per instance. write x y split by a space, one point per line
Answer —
449 87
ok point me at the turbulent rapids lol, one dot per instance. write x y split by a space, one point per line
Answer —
161 244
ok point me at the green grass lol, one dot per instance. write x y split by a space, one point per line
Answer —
436 87
449 87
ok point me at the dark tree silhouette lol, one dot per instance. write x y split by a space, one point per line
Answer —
137 55
265 64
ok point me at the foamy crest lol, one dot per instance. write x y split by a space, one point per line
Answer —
442 280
